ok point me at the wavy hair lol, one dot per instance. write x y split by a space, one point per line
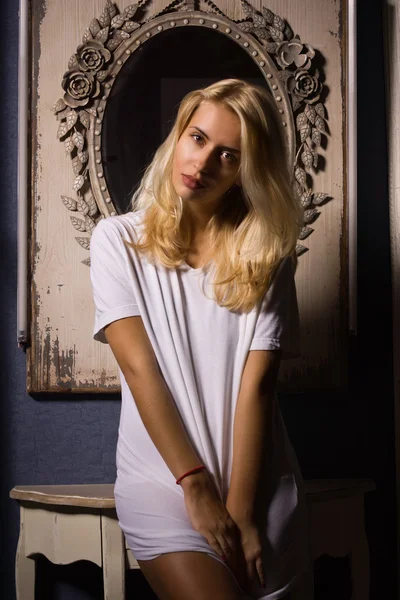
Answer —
253 231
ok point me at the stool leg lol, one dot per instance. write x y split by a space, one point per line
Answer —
359 556
113 555
25 567
359 560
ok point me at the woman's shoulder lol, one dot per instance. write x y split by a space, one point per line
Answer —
126 225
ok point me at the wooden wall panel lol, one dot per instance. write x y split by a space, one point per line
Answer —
62 356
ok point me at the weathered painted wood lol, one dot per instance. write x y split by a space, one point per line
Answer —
55 530
113 554
57 533
63 356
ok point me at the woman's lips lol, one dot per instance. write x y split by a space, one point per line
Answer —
191 182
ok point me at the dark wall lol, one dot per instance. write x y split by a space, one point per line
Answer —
335 435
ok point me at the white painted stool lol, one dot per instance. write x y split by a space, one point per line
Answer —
67 523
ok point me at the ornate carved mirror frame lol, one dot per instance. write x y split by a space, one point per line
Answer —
286 63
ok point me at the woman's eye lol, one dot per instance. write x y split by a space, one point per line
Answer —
228 156
196 137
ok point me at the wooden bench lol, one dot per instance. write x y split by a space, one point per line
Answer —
67 523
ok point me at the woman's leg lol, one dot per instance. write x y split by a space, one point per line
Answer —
189 576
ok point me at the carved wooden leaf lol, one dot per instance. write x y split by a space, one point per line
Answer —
306 198
320 110
121 35
70 203
72 63
320 123
78 140
78 224
82 207
315 159
105 18
83 156
310 113
130 11
307 157
303 126
84 242
93 210
77 165
296 102
113 44
283 75
246 26
305 232
89 224
268 15
300 249
271 48
86 36
102 35
276 35
279 23
316 137
301 176
86 262
262 34
305 132
117 21
259 20
59 105
287 32
62 129
130 26
319 198
94 27
63 114
248 10
92 111
101 75
72 118
84 119
69 145
78 182
112 9
310 215
298 190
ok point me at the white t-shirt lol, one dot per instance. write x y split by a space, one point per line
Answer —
201 349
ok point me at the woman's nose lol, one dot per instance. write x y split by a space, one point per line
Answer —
204 160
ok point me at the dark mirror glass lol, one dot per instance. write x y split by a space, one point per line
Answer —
145 97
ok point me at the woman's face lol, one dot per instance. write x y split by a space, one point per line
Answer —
207 155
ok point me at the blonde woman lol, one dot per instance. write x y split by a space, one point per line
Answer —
194 292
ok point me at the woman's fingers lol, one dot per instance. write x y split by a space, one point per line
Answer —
260 571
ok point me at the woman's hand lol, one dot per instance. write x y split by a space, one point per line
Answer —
252 549
209 516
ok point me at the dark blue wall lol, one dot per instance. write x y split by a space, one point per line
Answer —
335 435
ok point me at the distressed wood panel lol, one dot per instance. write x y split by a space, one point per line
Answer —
62 356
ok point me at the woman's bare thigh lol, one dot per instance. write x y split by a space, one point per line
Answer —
189 576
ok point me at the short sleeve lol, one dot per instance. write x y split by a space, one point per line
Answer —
277 325
112 294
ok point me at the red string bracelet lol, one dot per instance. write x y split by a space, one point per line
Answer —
189 472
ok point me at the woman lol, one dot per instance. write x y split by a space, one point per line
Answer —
194 291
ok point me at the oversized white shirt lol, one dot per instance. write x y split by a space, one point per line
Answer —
201 349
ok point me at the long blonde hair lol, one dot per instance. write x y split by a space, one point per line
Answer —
251 232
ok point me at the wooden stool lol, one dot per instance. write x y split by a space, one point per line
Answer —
67 523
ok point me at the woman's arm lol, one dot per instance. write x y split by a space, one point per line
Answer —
133 351
253 416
